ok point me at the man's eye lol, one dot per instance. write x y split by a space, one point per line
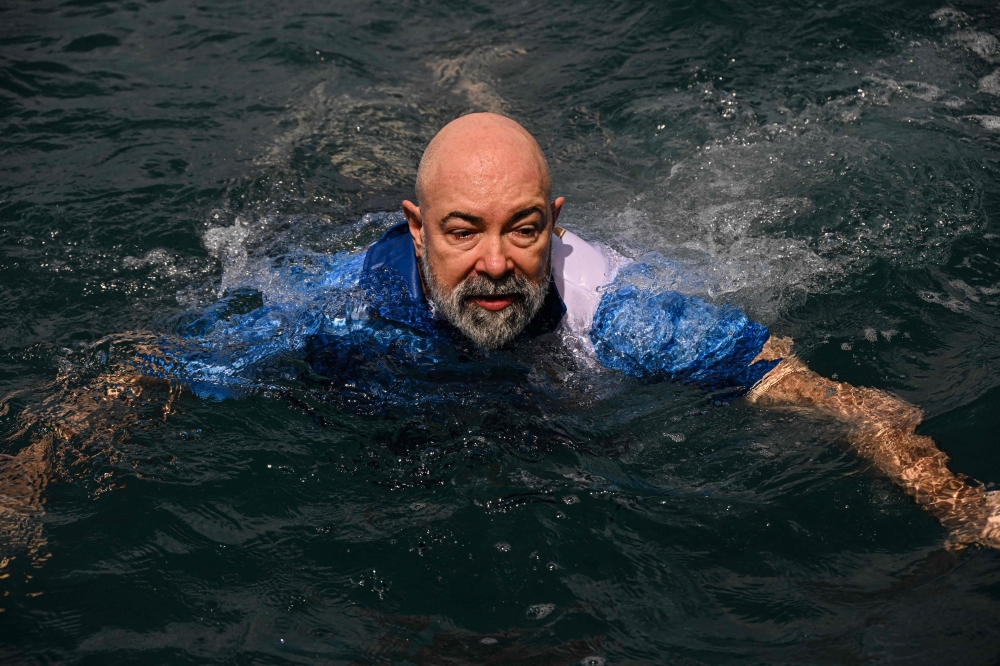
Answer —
462 233
526 231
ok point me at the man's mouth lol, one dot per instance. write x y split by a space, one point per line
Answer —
493 303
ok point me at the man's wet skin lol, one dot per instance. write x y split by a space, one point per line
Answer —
76 423
881 429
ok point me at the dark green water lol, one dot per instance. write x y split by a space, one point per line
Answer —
831 167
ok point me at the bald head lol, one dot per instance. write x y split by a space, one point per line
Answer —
480 150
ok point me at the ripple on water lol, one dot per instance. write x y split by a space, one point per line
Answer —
834 172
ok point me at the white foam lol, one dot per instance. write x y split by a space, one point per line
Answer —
991 123
156 257
949 16
227 244
918 89
718 219
990 83
539 611
944 300
984 45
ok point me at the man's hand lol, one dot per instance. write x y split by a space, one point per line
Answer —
882 430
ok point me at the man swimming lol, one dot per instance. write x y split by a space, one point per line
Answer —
479 263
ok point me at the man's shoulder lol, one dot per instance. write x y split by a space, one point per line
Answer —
394 254
579 270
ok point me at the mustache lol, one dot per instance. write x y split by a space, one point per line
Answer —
483 285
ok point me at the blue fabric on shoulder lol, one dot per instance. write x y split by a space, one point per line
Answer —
665 335
394 250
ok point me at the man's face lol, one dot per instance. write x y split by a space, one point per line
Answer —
483 237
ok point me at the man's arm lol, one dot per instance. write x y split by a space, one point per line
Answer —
882 431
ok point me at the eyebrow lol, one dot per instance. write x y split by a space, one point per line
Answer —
474 219
468 217
525 212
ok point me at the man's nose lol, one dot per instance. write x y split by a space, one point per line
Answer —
493 261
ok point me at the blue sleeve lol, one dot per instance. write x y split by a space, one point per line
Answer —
234 344
665 335
300 308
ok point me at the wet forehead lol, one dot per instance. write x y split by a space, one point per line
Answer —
489 173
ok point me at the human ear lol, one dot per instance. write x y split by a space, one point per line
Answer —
556 208
416 223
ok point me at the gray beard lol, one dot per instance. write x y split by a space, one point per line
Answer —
488 329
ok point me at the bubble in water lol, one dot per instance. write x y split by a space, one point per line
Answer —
488 640
593 660
502 546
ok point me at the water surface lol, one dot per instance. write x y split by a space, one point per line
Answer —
831 167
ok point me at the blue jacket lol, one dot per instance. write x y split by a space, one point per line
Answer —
361 320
